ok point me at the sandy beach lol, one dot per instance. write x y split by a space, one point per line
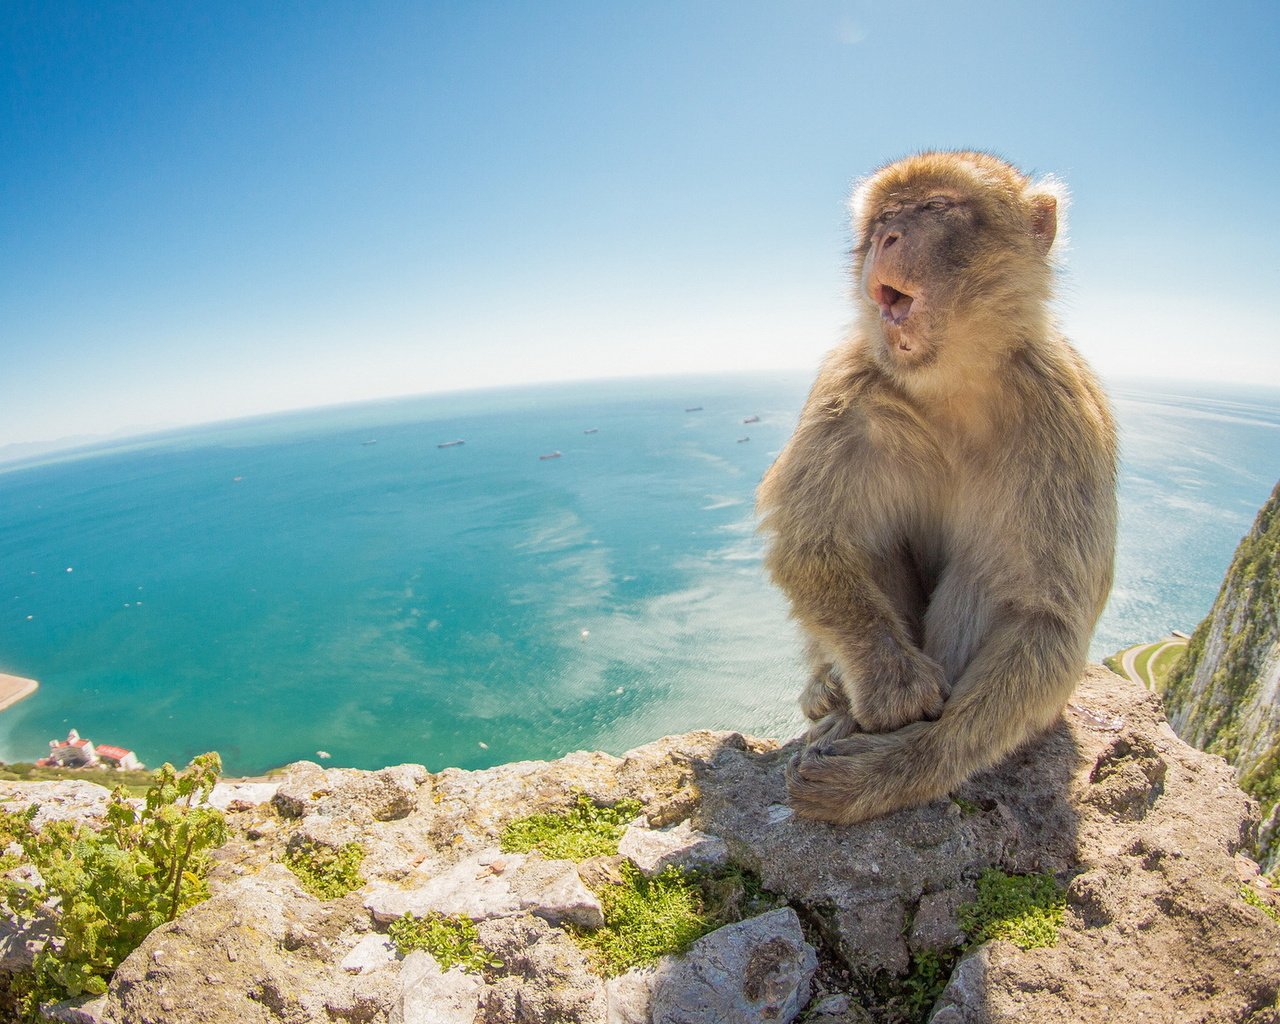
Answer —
14 688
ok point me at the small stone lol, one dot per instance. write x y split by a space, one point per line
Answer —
428 995
370 953
683 846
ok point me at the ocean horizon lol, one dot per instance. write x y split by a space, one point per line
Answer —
582 572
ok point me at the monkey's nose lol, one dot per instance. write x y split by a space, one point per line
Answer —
889 238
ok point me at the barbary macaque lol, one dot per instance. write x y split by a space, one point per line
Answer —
943 518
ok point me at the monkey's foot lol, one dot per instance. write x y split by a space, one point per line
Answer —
847 780
823 694
913 689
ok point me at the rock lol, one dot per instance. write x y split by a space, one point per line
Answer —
469 889
65 800
755 970
83 1010
1146 834
544 975
430 996
630 995
934 925
384 795
242 796
682 846
477 889
371 952
553 890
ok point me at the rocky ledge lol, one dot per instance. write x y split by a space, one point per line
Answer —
1164 916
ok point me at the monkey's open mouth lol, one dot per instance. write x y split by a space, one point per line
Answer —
895 306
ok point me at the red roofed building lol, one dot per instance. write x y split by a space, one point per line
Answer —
118 757
76 752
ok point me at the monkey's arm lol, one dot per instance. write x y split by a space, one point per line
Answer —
835 503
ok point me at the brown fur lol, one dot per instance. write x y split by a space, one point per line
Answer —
943 518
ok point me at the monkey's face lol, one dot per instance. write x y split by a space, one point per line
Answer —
916 249
946 242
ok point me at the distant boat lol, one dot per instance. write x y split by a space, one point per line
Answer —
451 444
694 408
369 442
752 419
741 439
549 455
592 430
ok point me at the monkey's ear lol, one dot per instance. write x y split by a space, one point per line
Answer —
1044 220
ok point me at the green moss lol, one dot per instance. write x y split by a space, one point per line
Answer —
326 873
452 941
584 830
1026 910
648 918
645 918
1251 897
966 806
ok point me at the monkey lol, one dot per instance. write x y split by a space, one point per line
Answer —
943 517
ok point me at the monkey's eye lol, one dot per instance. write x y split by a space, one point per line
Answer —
887 214
937 203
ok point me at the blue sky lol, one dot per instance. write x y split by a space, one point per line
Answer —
218 209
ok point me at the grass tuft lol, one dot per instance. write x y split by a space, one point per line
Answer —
452 941
326 873
1026 910
584 830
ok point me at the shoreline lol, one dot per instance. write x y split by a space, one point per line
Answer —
14 689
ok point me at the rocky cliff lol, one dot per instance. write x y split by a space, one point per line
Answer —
1224 695
1097 875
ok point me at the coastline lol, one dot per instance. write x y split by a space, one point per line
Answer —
14 689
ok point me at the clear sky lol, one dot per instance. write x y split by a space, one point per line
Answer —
215 209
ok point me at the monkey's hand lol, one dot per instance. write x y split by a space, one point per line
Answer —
898 688
823 694
831 728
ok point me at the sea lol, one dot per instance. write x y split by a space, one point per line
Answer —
581 572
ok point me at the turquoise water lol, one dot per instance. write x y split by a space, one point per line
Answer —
277 587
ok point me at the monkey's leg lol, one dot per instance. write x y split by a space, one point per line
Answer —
1013 690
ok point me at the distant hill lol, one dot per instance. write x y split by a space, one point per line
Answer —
1224 695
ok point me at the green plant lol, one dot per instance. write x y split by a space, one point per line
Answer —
584 830
1254 900
645 918
106 889
452 941
1026 910
325 872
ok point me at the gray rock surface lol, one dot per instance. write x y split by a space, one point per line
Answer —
1148 836
757 970
428 995
682 846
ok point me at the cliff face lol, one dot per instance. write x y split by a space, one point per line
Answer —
1224 696
1158 917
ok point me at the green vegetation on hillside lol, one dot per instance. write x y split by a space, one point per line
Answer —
1245 614
112 886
